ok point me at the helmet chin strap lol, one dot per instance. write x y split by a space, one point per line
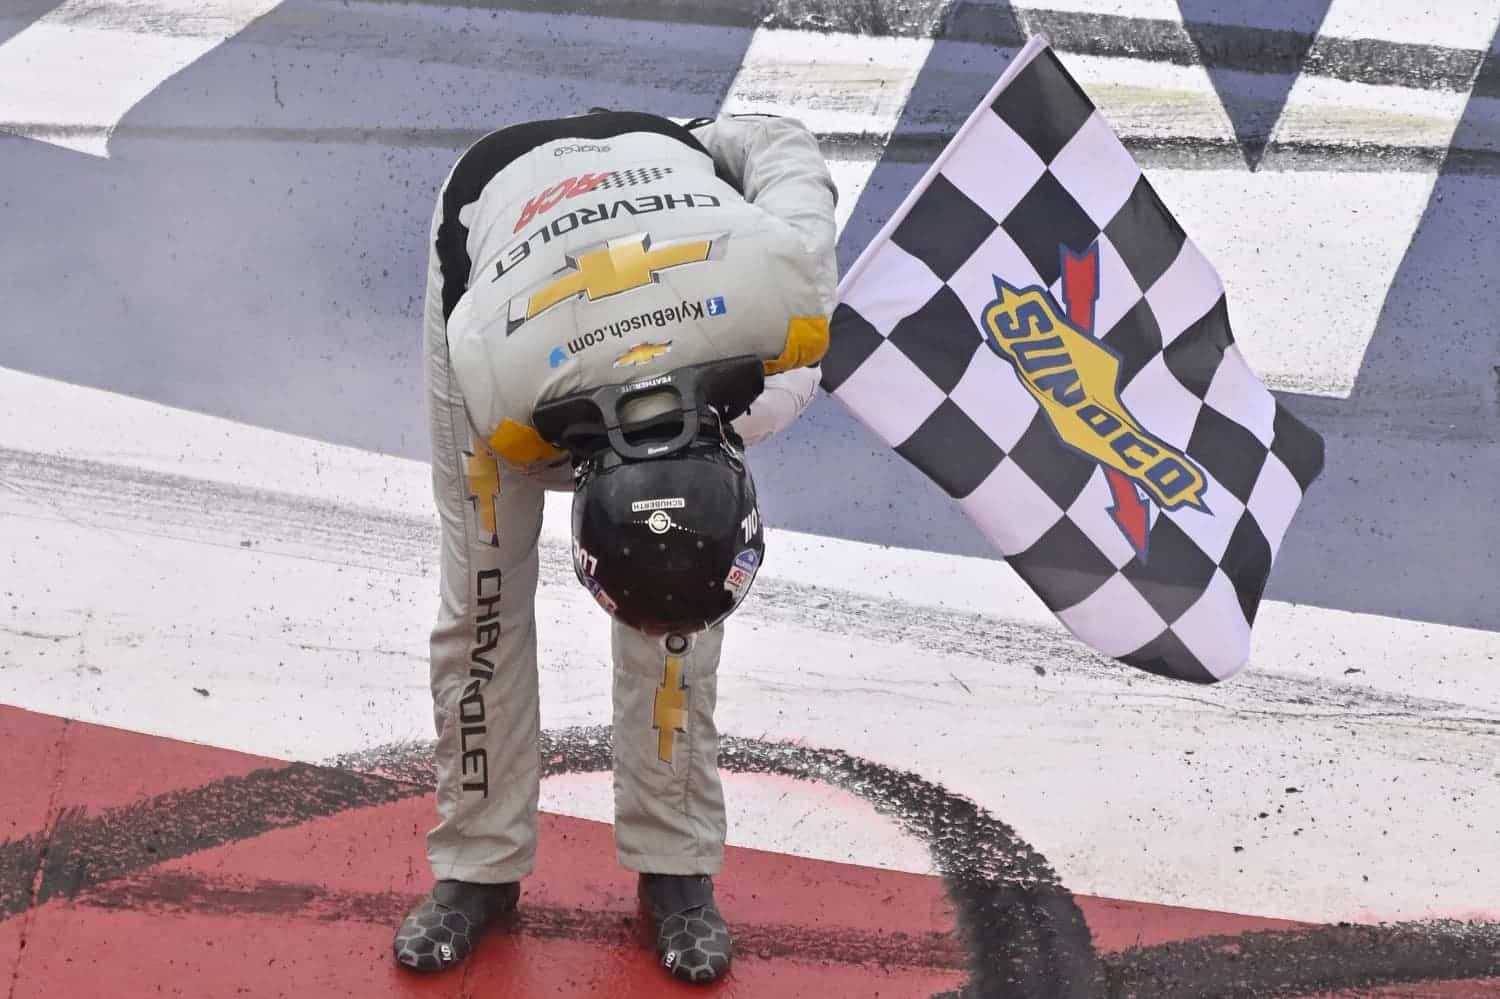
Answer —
711 428
638 421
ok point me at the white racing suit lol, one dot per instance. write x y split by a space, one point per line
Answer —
567 254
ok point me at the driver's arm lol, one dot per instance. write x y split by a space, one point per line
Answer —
778 166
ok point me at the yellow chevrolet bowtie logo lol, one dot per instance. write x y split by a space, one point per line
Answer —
483 474
610 268
669 715
642 353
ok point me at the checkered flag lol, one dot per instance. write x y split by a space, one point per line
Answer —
1034 331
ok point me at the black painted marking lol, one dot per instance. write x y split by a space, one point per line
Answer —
1019 924
81 851
899 19
1253 96
1179 152
1024 934
1235 47
1287 965
1021 930
1487 83
1248 49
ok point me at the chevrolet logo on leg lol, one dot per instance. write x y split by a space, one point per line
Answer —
483 475
611 268
669 714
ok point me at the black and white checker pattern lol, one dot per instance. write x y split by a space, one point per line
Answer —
632 177
1035 170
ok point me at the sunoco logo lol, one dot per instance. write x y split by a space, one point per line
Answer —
1075 379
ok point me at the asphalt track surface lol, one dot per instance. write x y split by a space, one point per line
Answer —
259 223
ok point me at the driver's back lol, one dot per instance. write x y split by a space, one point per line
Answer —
595 261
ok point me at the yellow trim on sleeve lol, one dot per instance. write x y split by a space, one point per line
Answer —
521 445
806 343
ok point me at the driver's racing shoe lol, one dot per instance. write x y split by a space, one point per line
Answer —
692 941
441 931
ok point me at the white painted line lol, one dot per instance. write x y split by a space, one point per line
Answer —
1307 261
294 582
832 83
1161 10
1148 99
70 76
1337 112
1460 24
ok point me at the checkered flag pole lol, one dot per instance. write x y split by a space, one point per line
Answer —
1035 332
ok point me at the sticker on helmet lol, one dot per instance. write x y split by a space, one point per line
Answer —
737 581
742 573
600 597
641 506
659 522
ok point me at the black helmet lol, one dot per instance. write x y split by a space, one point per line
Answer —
666 532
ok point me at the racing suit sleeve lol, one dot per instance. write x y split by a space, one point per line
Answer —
778 166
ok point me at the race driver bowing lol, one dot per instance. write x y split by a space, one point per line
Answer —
569 255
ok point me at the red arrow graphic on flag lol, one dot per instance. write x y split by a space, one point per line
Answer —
1080 276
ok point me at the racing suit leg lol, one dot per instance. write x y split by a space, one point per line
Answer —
669 804
484 670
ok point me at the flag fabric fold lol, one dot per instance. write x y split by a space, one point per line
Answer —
1035 332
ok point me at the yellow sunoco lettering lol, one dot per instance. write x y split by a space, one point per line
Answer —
1075 380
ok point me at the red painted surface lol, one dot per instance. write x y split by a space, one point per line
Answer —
309 910
32 746
150 935
32 743
1487 988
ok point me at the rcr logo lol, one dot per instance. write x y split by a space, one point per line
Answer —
550 197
